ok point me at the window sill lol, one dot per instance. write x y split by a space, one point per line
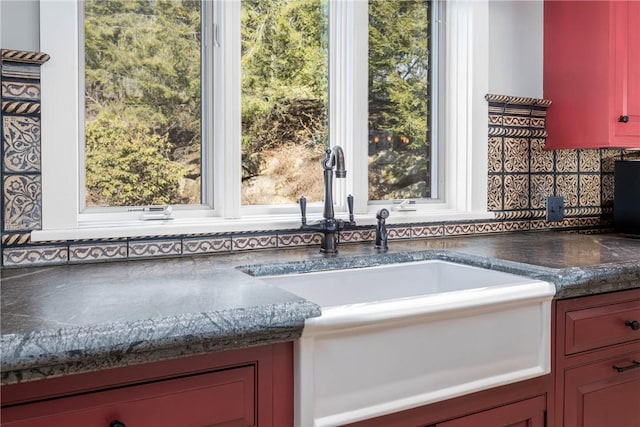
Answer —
138 228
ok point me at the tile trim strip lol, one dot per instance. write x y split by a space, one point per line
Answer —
19 251
25 57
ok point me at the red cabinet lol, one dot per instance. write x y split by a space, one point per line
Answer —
220 398
598 361
523 404
527 413
592 73
252 387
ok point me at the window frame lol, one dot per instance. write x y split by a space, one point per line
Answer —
462 126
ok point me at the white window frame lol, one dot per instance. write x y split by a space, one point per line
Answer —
463 127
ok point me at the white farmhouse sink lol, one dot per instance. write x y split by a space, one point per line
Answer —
403 335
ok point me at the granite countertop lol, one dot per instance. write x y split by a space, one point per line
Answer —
79 318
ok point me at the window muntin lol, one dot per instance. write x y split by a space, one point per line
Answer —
142 103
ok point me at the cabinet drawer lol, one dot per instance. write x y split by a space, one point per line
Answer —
221 398
603 393
597 327
530 413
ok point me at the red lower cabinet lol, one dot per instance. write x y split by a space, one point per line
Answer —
599 395
523 404
247 388
598 361
527 413
225 398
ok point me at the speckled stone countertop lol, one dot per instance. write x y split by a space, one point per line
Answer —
78 318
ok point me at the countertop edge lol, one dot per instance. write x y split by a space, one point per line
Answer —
55 353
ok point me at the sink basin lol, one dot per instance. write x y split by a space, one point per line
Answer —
399 336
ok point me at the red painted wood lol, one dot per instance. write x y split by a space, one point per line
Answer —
588 391
527 413
596 327
487 400
626 99
282 385
591 74
597 395
265 389
86 382
223 398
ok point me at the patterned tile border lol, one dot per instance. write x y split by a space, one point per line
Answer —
154 248
109 251
27 91
203 245
18 251
258 241
33 256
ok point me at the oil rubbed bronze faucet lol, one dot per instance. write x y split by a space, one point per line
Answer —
329 226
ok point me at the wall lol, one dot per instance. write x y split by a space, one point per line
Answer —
19 27
515 47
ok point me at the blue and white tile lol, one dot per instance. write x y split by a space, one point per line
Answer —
244 242
423 231
22 202
154 248
299 239
21 90
21 143
97 252
205 245
34 255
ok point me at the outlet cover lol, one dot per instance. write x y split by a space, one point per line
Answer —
555 208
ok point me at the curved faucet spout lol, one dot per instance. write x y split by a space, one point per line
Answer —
335 158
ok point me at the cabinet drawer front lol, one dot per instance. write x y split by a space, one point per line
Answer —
527 413
598 327
223 398
603 393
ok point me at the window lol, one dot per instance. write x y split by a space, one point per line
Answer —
400 99
285 70
142 103
403 135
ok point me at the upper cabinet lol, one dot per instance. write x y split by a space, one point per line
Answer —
592 73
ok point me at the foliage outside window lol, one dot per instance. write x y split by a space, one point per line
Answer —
284 99
143 102
399 100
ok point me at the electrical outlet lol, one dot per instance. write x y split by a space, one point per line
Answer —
555 208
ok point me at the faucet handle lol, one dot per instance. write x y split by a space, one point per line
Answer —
303 209
350 207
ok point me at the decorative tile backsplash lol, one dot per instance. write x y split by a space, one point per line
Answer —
521 175
21 179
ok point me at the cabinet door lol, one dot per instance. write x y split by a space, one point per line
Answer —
604 393
626 99
527 413
223 398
